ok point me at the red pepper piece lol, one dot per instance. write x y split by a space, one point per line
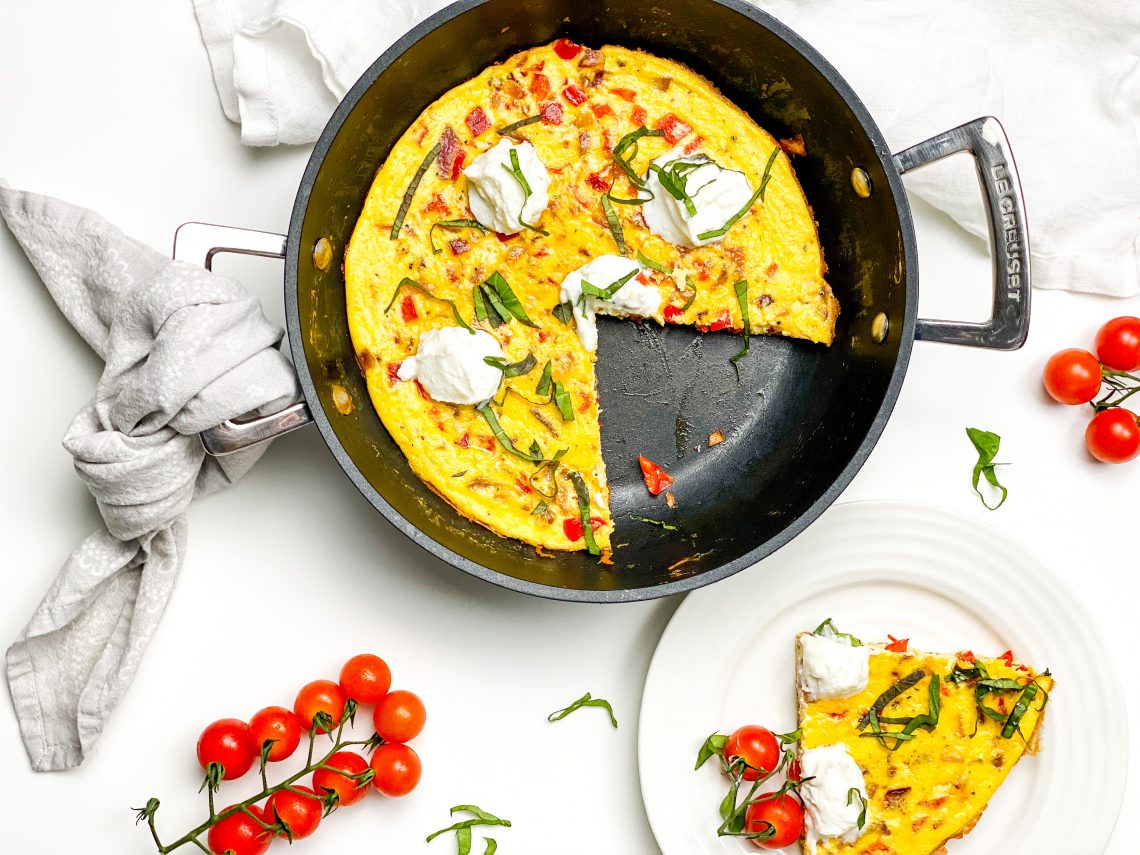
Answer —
567 49
408 308
598 183
638 116
694 144
897 645
656 478
601 110
477 121
675 130
551 113
672 313
489 443
423 392
504 238
1007 658
464 441
626 94
723 321
522 484
394 373
572 527
574 95
457 166
967 656
539 86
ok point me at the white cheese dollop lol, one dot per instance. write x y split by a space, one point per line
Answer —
449 365
494 195
830 773
633 298
831 666
718 195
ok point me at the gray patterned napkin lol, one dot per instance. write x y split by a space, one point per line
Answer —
184 349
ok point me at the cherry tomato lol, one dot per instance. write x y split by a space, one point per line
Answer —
399 716
348 791
278 724
783 814
656 478
302 814
1118 343
397 769
227 742
240 834
316 697
365 678
567 49
1113 436
1072 376
757 746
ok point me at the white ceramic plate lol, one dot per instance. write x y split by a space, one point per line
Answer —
945 581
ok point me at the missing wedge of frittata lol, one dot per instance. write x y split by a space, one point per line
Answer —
564 183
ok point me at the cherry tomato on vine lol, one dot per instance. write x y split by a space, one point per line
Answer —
316 697
240 834
397 769
1113 436
783 814
1118 343
399 716
1072 376
755 745
348 790
301 813
227 742
279 725
365 678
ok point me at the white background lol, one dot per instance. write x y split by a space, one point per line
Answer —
112 106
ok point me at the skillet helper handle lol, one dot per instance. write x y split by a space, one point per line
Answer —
985 139
198 243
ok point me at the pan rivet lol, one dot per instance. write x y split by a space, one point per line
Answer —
880 326
322 254
861 182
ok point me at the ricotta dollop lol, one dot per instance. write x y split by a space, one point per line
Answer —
718 194
449 365
633 298
831 666
830 773
495 196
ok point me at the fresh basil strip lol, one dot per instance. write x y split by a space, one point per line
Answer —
452 225
506 298
854 793
831 625
512 369
741 288
645 261
712 746
504 440
521 123
540 508
481 817
613 222
692 285
904 685
563 312
609 291
963 675
1013 723
515 171
544 381
626 164
406 203
550 466
664 525
492 846
987 444
416 286
585 701
583 494
759 194
562 400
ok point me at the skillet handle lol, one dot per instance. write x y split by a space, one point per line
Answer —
198 243
985 139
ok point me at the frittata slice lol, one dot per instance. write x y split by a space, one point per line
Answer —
933 734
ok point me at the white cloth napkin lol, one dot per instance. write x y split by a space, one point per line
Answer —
1063 77
184 349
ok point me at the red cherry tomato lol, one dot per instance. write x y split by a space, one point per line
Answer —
316 697
240 834
227 742
1118 343
573 530
399 716
348 791
757 746
1072 376
365 678
783 814
1113 436
302 814
279 725
397 769
656 478
567 49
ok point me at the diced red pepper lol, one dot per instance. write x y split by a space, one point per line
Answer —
457 165
488 443
567 49
1007 658
408 308
675 130
423 392
572 527
598 183
477 121
504 238
421 132
587 402
897 645
539 86
601 110
551 113
643 277
464 441
770 271
638 116
437 205
694 144
723 321
656 478
627 94
967 656
523 485
672 313
945 690
541 64
543 335
574 95
458 246
394 373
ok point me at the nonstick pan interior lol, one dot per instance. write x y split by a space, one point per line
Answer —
797 423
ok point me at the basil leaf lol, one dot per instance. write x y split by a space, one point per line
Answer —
416 286
831 625
613 222
512 369
712 746
515 171
626 163
501 435
692 285
583 493
562 400
741 288
664 525
406 203
463 838
759 194
540 508
609 291
452 225
585 701
463 828
503 296
904 685
563 312
854 793
1013 723
492 846
544 383
645 261
521 123
986 444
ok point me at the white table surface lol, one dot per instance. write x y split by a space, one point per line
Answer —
292 571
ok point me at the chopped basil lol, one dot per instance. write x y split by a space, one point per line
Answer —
1013 723
512 369
515 171
893 691
406 203
626 163
563 312
664 525
692 286
550 466
645 261
416 286
608 292
987 445
521 123
583 494
497 429
484 311
829 624
759 194
613 222
585 701
463 828
452 225
499 294
540 508
674 178
928 720
854 793
548 386
741 288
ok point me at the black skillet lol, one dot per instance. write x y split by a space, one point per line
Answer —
801 420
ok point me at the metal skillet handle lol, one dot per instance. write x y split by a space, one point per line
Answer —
985 139
198 243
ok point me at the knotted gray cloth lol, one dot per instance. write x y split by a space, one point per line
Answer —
184 349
